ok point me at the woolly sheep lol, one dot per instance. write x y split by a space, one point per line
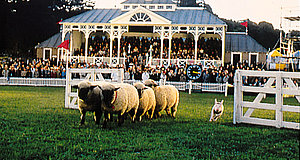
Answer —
119 99
89 99
216 111
147 101
167 98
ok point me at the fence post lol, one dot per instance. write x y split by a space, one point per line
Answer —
279 100
190 87
237 100
67 100
226 89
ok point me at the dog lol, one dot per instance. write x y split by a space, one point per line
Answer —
216 111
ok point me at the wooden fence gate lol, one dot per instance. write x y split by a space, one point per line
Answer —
74 76
286 84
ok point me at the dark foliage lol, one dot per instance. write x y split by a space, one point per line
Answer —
26 23
263 33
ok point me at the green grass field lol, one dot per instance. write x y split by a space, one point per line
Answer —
35 125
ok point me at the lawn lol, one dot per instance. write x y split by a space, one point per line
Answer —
35 125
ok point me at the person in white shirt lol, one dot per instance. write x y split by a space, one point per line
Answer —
145 75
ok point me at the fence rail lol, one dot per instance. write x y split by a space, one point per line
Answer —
56 82
284 85
41 82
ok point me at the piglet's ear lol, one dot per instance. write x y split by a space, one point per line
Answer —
76 86
216 100
222 101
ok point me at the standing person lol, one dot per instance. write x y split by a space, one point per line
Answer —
127 75
5 72
163 77
145 75
32 69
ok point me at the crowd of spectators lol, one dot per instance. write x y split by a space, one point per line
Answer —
134 47
38 68
32 68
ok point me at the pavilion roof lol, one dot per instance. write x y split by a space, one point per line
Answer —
179 16
52 42
242 43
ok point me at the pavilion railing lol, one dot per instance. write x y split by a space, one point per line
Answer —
114 61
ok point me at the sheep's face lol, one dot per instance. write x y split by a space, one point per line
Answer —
140 87
150 83
108 95
85 91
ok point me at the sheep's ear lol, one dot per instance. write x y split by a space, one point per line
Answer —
154 85
145 88
93 86
76 86
216 100
116 88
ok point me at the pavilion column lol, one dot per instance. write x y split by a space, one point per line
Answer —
86 46
196 48
71 43
161 49
110 49
170 43
223 46
119 45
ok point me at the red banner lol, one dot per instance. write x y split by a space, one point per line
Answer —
64 44
245 23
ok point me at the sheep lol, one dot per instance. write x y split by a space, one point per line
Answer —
147 101
89 99
119 99
216 111
167 97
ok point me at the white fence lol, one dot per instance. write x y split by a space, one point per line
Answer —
41 82
284 85
86 74
184 86
56 82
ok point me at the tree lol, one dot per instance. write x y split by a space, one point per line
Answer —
28 22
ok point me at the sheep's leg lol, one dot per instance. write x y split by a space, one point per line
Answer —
139 114
157 114
83 112
174 108
132 114
168 111
151 112
106 118
120 119
111 117
97 116
173 111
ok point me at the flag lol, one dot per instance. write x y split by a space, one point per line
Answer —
244 23
59 21
64 44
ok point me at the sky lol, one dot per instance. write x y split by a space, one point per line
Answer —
256 10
